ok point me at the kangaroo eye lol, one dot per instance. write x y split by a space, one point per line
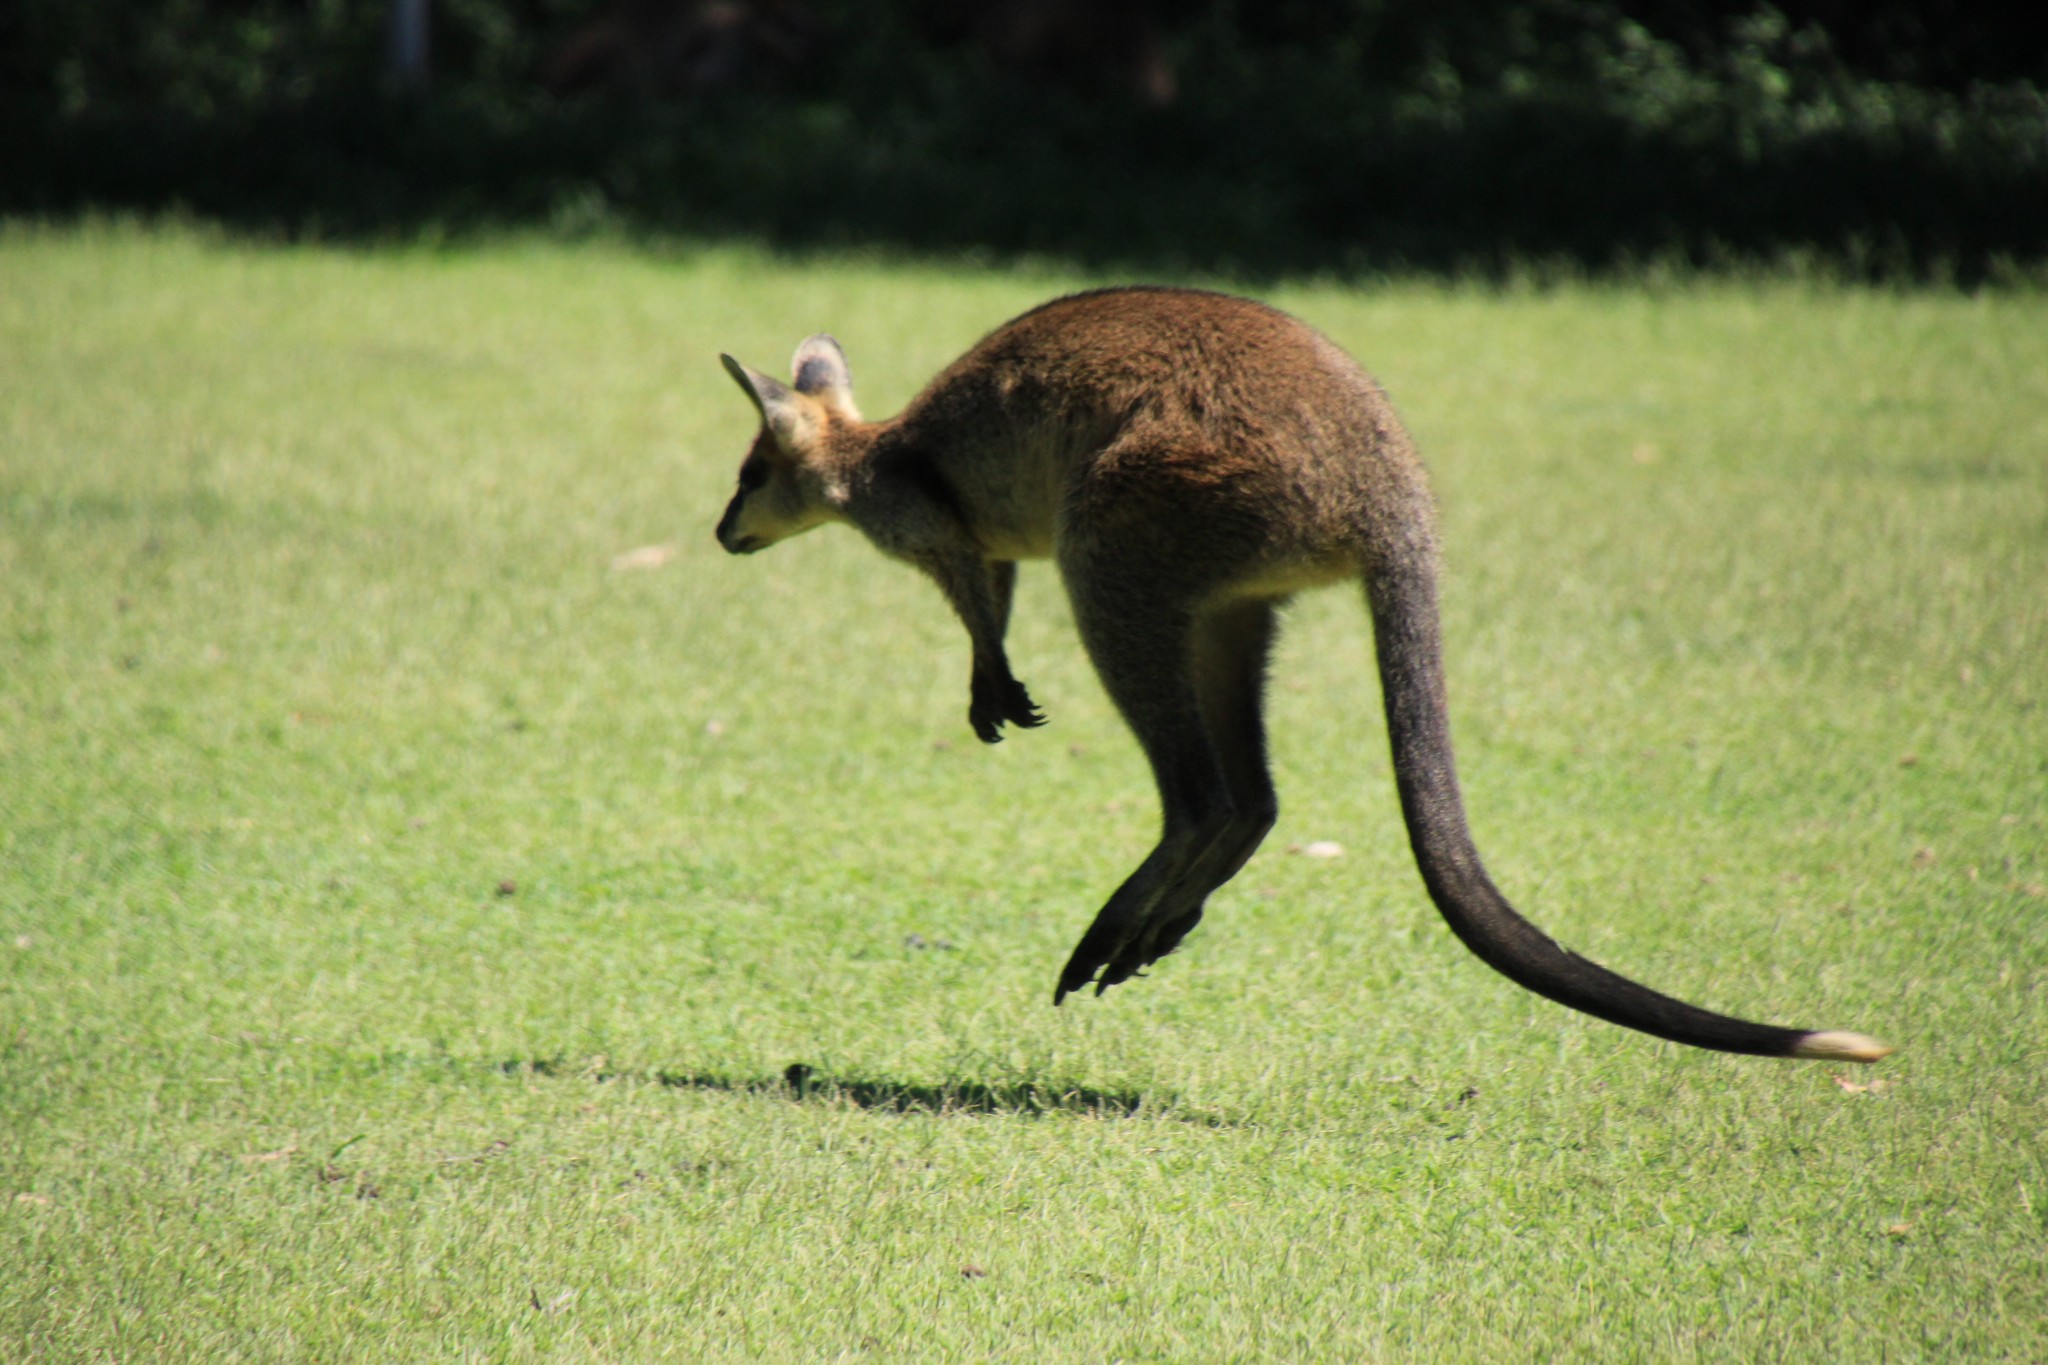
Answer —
753 474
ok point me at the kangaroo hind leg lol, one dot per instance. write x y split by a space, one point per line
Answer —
1232 646
1189 685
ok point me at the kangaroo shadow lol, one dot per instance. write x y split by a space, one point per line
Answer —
802 1084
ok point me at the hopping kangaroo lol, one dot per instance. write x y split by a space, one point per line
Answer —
1189 460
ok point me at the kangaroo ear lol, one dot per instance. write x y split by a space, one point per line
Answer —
820 369
782 411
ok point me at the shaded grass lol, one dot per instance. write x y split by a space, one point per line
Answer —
1270 168
309 641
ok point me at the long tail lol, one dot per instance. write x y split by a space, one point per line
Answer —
1402 594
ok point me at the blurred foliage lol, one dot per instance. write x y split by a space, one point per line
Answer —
1897 138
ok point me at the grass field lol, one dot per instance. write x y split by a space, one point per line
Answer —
409 920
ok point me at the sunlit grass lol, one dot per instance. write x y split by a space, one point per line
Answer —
408 921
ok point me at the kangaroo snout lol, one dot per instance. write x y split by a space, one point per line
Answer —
729 537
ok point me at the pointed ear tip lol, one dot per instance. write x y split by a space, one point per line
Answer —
753 382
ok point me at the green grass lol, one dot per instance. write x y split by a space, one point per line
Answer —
309 639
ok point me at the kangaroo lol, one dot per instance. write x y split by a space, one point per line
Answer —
1190 461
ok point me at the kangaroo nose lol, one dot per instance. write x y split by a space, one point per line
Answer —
736 544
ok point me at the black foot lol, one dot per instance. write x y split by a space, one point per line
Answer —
997 702
1121 962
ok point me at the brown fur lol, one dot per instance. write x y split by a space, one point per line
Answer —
1189 460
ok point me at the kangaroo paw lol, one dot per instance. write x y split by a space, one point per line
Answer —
1148 947
986 729
994 702
1110 955
1098 947
985 714
1018 708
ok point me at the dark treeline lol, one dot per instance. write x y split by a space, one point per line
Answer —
1892 138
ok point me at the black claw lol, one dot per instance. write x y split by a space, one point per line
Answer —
992 705
1073 979
1018 707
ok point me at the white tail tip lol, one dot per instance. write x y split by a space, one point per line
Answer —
1841 1047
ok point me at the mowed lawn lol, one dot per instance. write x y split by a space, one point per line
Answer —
427 935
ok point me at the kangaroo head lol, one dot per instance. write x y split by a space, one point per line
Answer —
789 481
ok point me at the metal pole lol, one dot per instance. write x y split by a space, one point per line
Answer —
409 44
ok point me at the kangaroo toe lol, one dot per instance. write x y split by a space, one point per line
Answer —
1019 709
